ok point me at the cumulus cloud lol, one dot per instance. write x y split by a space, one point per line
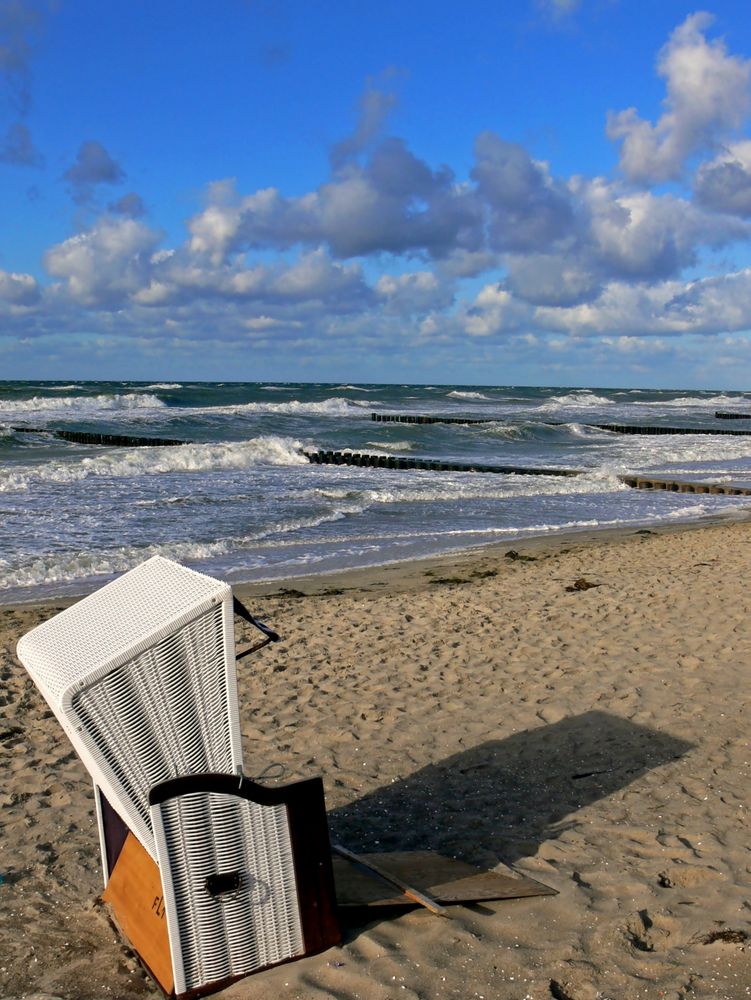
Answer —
93 166
620 234
707 97
105 264
724 183
414 292
528 209
495 311
708 306
18 289
388 248
395 203
711 304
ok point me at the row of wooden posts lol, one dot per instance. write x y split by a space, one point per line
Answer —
361 460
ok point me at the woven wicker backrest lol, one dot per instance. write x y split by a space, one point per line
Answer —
246 918
246 874
141 676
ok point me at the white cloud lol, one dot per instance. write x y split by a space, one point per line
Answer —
18 289
724 183
528 209
416 291
394 203
707 97
107 263
560 262
494 311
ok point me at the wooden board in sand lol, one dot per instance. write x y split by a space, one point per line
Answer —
445 880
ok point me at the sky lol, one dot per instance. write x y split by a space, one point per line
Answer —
544 192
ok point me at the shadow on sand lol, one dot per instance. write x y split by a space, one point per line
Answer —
500 800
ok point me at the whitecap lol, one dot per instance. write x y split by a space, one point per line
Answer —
460 394
77 406
125 462
576 398
390 445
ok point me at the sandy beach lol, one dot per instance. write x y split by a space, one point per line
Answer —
490 706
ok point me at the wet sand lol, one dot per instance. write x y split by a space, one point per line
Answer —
488 706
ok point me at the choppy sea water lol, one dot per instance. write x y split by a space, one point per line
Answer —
242 502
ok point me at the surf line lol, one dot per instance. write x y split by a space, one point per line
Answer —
636 481
390 462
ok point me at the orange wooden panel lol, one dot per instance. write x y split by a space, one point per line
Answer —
134 892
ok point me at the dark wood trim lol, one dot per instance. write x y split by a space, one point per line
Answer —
114 829
314 874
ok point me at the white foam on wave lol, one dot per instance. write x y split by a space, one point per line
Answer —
355 388
69 567
461 394
77 406
336 406
508 431
640 452
586 431
389 446
126 462
468 486
577 398
707 402
165 385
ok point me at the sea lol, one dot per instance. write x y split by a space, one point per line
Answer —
241 501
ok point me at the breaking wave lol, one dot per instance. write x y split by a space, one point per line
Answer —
577 398
460 394
707 402
122 463
390 445
77 406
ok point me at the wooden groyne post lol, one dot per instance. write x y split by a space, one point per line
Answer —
414 418
115 440
392 462
390 418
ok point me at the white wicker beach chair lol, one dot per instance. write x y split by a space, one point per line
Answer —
141 676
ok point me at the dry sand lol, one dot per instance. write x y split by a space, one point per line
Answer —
594 739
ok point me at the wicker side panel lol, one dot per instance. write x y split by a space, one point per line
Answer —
162 714
251 918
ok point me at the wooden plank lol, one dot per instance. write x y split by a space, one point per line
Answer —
134 895
446 880
410 891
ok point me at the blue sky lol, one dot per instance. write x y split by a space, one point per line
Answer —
545 192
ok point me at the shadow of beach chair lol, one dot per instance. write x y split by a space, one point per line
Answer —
141 676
